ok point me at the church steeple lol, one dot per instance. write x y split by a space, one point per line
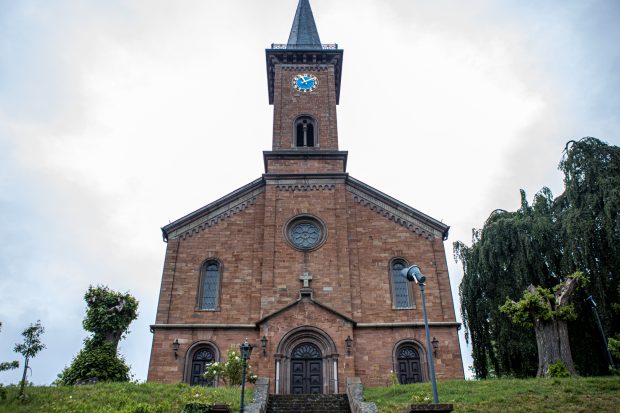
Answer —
304 47
303 79
304 34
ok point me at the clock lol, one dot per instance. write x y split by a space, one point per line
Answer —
305 82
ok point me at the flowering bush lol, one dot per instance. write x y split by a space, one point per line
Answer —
230 371
393 378
420 398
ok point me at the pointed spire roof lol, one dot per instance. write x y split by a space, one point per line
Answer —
304 33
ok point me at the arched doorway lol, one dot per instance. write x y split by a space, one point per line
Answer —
198 357
306 362
306 369
408 364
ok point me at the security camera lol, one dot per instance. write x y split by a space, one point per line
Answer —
413 274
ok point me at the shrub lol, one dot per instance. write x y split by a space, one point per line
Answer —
557 370
99 361
230 371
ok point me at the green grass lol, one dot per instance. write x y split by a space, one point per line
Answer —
600 394
118 398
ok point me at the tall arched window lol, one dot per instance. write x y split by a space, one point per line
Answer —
210 275
401 290
305 132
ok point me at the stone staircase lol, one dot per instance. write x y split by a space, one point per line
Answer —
308 403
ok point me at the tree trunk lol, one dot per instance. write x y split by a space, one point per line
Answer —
552 335
553 345
113 337
22 383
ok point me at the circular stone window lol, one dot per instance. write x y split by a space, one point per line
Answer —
305 233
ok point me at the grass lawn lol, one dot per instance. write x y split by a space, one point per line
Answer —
600 394
119 398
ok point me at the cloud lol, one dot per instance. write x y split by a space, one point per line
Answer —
117 117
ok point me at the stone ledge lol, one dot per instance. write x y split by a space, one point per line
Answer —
423 408
355 392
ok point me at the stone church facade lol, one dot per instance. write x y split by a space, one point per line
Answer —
304 261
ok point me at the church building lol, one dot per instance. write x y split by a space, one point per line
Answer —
305 261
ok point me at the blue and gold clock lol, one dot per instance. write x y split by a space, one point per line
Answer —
305 82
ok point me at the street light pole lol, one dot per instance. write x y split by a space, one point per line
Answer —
246 350
413 273
593 305
429 353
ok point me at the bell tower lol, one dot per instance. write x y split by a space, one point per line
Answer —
303 78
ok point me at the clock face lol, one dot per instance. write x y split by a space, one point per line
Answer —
305 82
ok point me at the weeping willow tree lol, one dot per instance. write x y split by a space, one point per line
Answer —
542 244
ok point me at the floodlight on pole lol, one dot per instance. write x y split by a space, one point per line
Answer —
413 273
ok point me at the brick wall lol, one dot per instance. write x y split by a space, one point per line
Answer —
260 276
289 104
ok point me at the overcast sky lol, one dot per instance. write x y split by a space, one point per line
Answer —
119 116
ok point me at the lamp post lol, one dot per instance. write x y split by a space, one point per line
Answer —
413 274
245 349
435 343
263 344
175 347
348 342
593 305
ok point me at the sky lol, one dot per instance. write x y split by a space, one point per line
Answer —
120 116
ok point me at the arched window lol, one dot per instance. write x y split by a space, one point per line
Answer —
209 285
305 132
401 290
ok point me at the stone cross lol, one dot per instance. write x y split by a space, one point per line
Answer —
306 277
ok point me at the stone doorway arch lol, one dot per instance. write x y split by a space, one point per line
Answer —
306 352
410 363
197 358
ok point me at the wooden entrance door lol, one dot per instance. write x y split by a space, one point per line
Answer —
306 370
202 358
409 370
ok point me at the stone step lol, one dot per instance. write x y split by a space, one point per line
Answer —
308 403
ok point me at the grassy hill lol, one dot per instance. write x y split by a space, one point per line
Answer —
600 394
533 395
118 398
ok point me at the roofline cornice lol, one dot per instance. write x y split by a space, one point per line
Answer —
215 210
398 211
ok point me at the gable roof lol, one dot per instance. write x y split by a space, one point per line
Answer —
313 301
238 200
397 211
214 212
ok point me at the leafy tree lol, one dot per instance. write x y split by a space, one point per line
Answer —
31 346
541 244
4 366
8 365
547 312
108 316
230 371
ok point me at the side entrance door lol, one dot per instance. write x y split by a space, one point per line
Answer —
306 370
409 366
202 358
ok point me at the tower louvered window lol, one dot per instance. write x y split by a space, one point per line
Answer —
305 132
210 285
